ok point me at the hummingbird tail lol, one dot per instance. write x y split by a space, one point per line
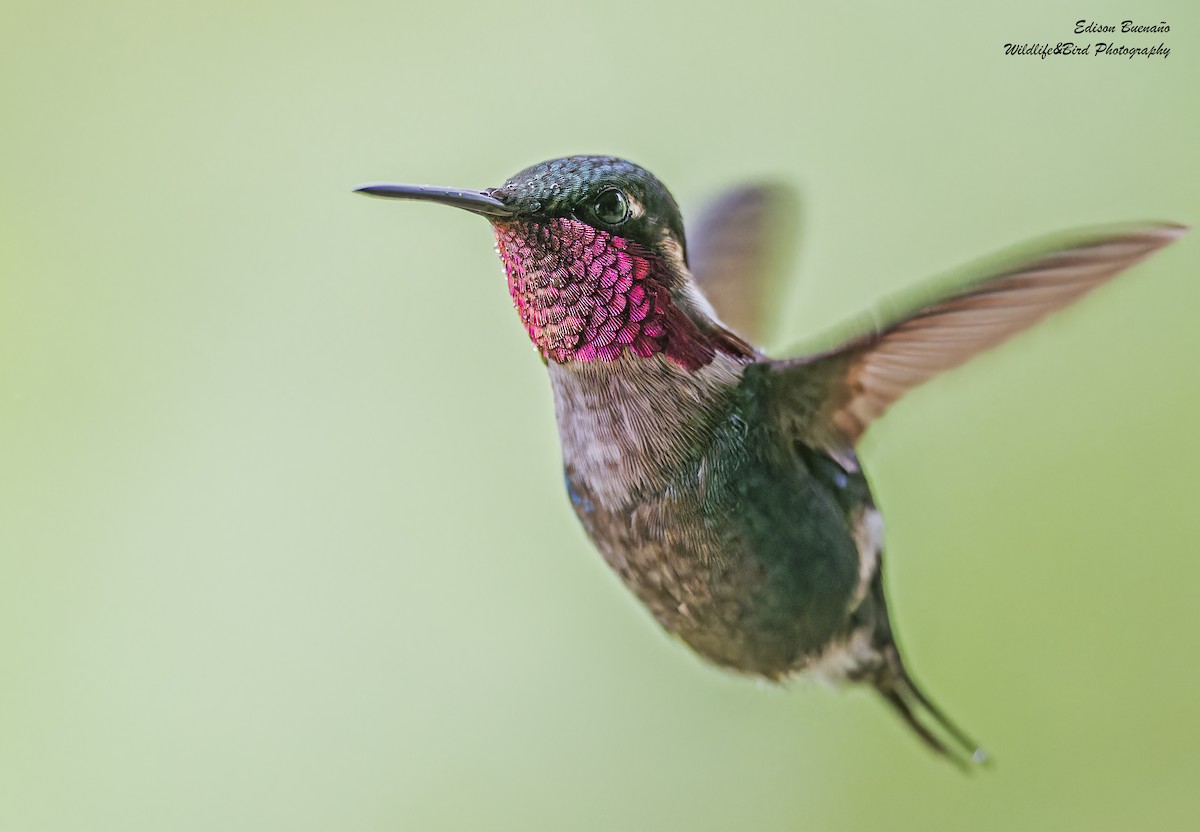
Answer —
900 691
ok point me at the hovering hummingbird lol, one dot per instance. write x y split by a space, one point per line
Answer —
720 484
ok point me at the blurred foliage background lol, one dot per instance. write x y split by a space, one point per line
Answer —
283 543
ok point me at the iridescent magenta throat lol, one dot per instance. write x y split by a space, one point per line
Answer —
587 295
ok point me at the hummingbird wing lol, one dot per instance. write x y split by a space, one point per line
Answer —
739 249
834 395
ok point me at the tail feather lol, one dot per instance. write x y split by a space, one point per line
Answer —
892 680
899 690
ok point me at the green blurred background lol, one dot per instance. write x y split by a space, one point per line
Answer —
283 543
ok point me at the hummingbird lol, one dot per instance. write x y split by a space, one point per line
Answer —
723 486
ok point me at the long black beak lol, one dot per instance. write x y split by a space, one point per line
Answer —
477 202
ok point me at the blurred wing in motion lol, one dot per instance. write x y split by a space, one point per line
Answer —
738 250
838 393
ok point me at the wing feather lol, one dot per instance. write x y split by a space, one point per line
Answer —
738 250
853 385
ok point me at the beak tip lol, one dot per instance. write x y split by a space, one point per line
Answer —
368 188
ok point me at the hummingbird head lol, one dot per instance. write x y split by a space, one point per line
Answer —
607 194
595 254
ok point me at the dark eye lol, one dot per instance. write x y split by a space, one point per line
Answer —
611 207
